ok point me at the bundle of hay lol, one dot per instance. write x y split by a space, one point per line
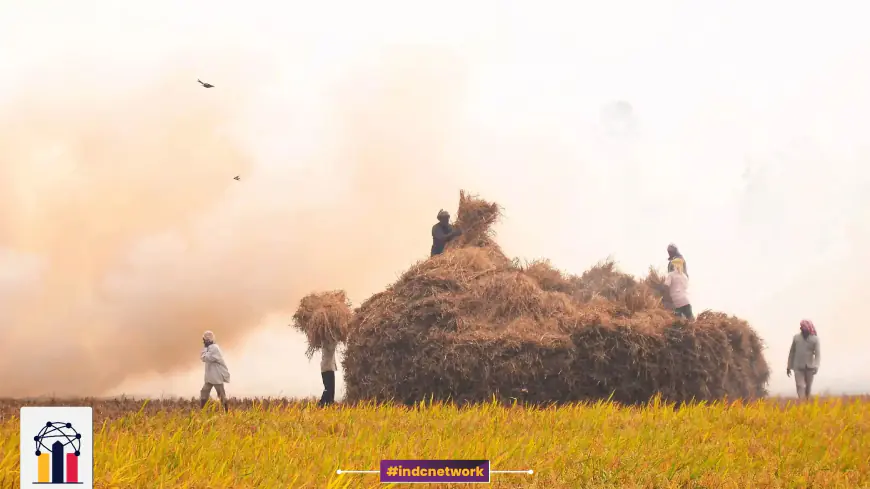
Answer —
470 324
323 318
656 283
601 283
475 218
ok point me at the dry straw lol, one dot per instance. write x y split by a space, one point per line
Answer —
471 324
323 318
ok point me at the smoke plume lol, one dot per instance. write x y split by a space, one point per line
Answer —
129 236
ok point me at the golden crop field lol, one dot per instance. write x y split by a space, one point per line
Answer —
287 444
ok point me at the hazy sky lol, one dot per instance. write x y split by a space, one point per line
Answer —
352 123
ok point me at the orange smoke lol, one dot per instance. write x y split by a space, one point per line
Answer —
130 236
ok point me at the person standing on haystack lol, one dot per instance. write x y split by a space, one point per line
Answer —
676 260
443 233
677 283
327 373
216 372
804 358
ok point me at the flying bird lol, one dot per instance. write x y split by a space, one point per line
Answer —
206 85
236 178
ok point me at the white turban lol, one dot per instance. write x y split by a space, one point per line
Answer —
208 336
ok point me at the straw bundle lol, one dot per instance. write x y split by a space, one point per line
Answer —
323 318
655 281
470 324
475 218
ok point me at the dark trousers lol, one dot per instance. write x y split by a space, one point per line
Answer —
328 396
685 311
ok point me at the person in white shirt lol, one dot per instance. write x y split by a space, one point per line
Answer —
804 358
216 372
327 373
677 283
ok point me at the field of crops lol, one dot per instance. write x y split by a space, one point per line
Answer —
280 444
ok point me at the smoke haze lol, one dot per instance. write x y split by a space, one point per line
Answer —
142 239
123 235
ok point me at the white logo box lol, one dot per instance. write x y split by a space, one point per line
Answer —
63 437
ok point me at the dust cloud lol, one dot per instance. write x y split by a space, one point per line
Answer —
125 235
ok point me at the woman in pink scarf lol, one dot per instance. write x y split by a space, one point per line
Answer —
804 358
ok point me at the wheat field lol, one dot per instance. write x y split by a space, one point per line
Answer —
293 444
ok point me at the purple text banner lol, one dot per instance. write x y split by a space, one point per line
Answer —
427 471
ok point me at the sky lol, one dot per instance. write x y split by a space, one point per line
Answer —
736 130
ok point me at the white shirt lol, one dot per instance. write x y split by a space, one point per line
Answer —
804 352
327 359
678 287
216 371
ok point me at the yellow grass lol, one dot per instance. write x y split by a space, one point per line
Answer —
818 444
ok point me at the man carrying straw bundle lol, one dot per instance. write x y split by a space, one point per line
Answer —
216 371
443 233
804 357
324 318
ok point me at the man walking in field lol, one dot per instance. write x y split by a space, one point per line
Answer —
442 233
216 372
677 283
804 358
327 373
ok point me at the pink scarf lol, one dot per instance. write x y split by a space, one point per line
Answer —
808 327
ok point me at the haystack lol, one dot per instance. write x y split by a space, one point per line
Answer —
471 324
323 318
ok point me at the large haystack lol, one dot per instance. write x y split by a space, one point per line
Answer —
471 324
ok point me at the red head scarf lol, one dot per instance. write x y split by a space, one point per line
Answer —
808 327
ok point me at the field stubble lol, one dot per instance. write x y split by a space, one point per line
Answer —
279 443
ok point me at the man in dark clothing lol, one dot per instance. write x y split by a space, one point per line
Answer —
676 262
443 233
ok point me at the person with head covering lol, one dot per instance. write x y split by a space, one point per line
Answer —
677 283
443 233
804 358
216 372
676 260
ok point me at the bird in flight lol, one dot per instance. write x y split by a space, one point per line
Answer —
206 85
236 178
